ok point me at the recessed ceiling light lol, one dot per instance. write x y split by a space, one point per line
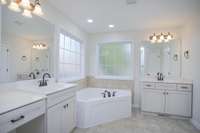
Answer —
111 26
90 21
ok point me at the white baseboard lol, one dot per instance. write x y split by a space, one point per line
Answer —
195 123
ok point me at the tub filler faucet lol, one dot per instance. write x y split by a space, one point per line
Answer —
107 93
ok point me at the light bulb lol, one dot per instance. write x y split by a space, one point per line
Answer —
14 7
38 10
25 4
27 13
3 2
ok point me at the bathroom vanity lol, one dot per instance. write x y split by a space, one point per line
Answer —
27 101
19 107
167 97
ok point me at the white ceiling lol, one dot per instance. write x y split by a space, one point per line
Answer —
145 14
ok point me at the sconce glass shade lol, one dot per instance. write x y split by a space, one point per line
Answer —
14 7
154 37
27 13
38 10
169 36
162 36
3 2
25 4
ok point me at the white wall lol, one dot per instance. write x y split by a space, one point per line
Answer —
191 41
0 23
136 37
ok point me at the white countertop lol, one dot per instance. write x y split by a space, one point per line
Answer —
18 94
11 99
179 81
50 89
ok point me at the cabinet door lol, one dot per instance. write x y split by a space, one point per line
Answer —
54 119
178 103
153 100
68 116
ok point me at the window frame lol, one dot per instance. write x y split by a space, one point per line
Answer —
82 58
114 77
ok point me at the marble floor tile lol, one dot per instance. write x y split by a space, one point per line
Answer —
143 123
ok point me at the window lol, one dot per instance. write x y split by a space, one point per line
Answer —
70 58
114 60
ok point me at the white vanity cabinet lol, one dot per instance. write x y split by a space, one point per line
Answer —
18 117
167 98
61 112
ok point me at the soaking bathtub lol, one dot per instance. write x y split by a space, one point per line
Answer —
93 109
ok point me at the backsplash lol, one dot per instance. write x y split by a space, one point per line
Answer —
110 83
82 83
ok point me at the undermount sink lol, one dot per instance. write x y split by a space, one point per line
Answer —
50 88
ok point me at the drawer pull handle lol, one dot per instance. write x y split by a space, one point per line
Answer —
18 119
184 87
66 106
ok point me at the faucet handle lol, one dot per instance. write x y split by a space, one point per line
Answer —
114 93
104 94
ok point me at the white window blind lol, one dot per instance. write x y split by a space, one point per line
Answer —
70 58
114 60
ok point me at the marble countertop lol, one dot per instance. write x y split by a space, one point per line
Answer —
11 99
178 81
50 89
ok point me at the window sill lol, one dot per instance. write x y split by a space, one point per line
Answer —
113 78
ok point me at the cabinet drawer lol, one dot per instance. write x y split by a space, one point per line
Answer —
163 86
149 85
20 116
184 87
60 96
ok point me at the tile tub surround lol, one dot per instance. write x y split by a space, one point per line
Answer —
110 83
82 83
143 123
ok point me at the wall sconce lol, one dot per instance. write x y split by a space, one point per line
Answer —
175 57
161 38
187 54
24 58
39 46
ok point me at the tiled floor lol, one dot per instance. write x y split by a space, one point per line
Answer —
143 123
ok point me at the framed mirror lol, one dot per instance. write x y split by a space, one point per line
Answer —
26 46
160 57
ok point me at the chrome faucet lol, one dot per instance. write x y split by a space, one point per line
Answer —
107 93
43 82
32 75
160 76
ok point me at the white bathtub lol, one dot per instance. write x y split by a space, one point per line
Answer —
93 109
